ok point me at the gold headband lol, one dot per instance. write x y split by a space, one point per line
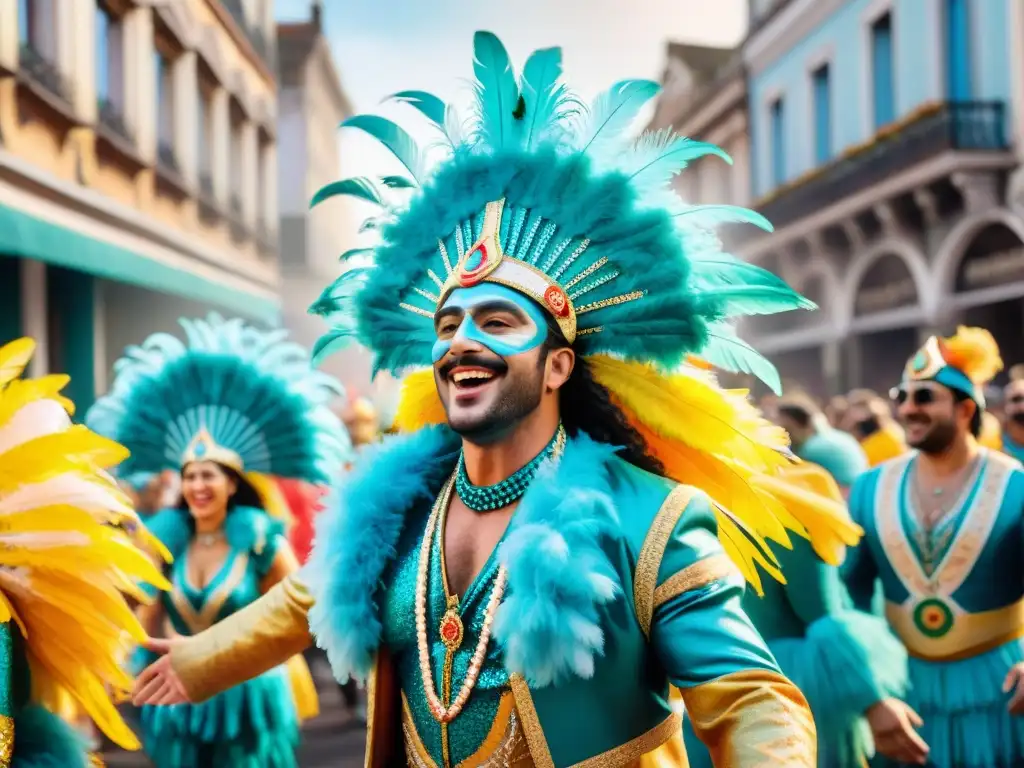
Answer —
204 448
485 261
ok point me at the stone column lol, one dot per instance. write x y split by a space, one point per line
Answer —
33 313
186 116
140 79
268 195
220 146
76 52
250 173
9 26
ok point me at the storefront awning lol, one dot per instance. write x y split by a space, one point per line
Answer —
26 236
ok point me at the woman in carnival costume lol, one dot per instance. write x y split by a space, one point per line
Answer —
232 408
65 566
544 285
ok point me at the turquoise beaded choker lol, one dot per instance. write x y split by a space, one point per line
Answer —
487 498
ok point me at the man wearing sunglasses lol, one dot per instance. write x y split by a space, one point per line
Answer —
943 534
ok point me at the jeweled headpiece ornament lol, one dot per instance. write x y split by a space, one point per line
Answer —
231 393
560 202
204 448
965 362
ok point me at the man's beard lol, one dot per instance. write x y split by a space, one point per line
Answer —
937 439
519 396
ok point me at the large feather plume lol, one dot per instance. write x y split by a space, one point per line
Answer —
586 201
255 392
67 560
974 352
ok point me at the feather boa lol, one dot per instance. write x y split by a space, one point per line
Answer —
553 549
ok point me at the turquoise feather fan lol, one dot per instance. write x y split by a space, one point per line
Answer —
256 393
585 202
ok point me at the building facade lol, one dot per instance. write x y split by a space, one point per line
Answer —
311 105
883 151
138 173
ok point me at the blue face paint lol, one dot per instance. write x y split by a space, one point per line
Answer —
470 310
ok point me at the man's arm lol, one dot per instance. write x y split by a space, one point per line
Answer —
687 595
257 638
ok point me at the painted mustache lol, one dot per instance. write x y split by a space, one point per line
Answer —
495 365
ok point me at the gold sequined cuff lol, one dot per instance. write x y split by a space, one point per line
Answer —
752 718
259 637
6 741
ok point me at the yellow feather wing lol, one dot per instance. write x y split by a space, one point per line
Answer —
13 359
66 567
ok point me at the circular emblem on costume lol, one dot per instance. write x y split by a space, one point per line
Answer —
451 630
557 301
478 264
933 617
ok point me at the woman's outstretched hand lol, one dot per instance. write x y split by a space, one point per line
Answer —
158 683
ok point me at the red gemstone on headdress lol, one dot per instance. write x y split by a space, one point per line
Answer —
473 266
557 301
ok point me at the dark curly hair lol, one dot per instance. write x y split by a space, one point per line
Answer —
586 406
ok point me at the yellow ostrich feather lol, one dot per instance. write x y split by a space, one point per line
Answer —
973 351
419 403
64 567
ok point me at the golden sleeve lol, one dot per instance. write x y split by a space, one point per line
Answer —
688 597
261 636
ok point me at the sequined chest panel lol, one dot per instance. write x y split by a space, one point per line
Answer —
931 621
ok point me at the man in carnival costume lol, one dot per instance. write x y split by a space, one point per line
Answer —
520 578
943 534
66 565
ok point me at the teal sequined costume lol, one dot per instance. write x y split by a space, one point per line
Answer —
954 595
253 725
250 401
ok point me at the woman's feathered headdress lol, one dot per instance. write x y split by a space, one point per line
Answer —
539 193
229 393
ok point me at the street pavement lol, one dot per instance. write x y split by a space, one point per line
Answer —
332 740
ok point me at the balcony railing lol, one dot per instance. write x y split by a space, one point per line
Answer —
111 118
264 49
974 126
38 67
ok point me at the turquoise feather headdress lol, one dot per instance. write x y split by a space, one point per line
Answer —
545 195
230 393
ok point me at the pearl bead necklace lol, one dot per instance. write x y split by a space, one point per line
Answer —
445 714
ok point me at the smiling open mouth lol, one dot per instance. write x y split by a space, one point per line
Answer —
469 379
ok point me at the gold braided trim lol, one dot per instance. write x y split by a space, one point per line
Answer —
696 576
6 741
633 750
530 720
648 563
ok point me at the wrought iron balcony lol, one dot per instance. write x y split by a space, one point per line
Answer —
111 118
973 126
37 67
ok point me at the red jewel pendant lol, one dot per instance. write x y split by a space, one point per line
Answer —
451 630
